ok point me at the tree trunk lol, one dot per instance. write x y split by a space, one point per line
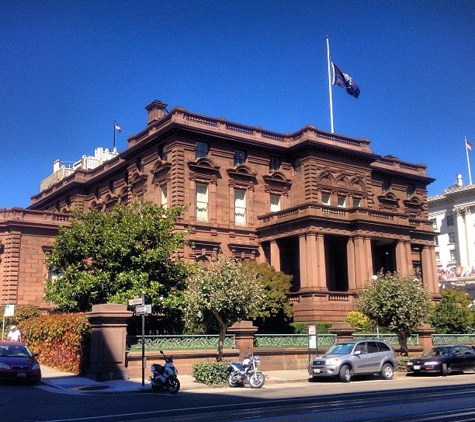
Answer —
402 339
222 336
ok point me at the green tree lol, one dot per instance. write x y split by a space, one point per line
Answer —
116 255
399 304
221 293
453 313
360 321
277 312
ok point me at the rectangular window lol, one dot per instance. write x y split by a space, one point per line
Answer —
410 191
201 202
239 157
356 202
434 223
140 165
386 185
163 196
342 201
326 198
201 150
437 256
453 255
452 237
297 166
274 164
450 220
240 207
274 203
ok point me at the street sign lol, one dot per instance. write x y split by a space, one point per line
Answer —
135 301
143 309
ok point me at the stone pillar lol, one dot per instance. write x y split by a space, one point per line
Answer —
351 260
244 332
343 330
305 277
108 342
275 255
425 336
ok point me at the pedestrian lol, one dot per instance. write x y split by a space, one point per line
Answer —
14 334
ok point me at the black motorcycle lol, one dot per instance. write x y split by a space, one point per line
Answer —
246 373
164 377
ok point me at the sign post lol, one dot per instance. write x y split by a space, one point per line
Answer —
312 340
9 311
143 340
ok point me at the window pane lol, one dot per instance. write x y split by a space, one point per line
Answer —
239 157
201 202
326 198
274 164
274 203
201 149
163 199
240 207
356 202
341 201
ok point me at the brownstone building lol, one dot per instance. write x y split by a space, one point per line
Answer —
313 204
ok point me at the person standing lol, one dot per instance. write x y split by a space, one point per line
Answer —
14 334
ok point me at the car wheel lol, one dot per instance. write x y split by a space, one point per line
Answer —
345 373
445 370
387 371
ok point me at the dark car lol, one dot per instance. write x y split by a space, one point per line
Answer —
351 358
443 360
18 363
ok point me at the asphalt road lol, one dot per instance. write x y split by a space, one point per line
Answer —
421 399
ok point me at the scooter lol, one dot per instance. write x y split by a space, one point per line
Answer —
164 377
246 373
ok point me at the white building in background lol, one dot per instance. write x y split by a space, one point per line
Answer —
60 171
453 217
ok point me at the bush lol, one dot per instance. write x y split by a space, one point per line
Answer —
211 373
61 340
302 327
360 322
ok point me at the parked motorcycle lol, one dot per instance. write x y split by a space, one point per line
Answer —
246 373
164 377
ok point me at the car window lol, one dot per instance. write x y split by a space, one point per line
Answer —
383 347
372 347
341 349
466 350
361 347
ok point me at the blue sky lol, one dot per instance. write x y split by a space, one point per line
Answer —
69 68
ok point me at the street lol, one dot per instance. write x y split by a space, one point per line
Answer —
401 399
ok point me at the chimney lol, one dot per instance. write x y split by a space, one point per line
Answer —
156 111
56 165
459 180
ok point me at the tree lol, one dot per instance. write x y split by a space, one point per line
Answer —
116 255
453 313
399 304
277 311
221 293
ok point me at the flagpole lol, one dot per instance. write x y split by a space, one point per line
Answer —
468 162
330 85
115 124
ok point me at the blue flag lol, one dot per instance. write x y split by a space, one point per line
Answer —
344 80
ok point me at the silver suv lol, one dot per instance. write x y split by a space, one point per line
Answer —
359 357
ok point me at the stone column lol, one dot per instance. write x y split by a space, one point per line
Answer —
321 267
351 262
244 332
425 336
303 260
108 341
275 255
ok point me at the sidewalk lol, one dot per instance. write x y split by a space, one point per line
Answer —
67 383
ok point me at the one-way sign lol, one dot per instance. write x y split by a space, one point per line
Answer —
143 309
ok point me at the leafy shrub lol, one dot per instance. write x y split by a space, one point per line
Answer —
211 373
302 327
61 340
360 322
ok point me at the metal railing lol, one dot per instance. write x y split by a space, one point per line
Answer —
389 338
178 342
439 339
281 341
